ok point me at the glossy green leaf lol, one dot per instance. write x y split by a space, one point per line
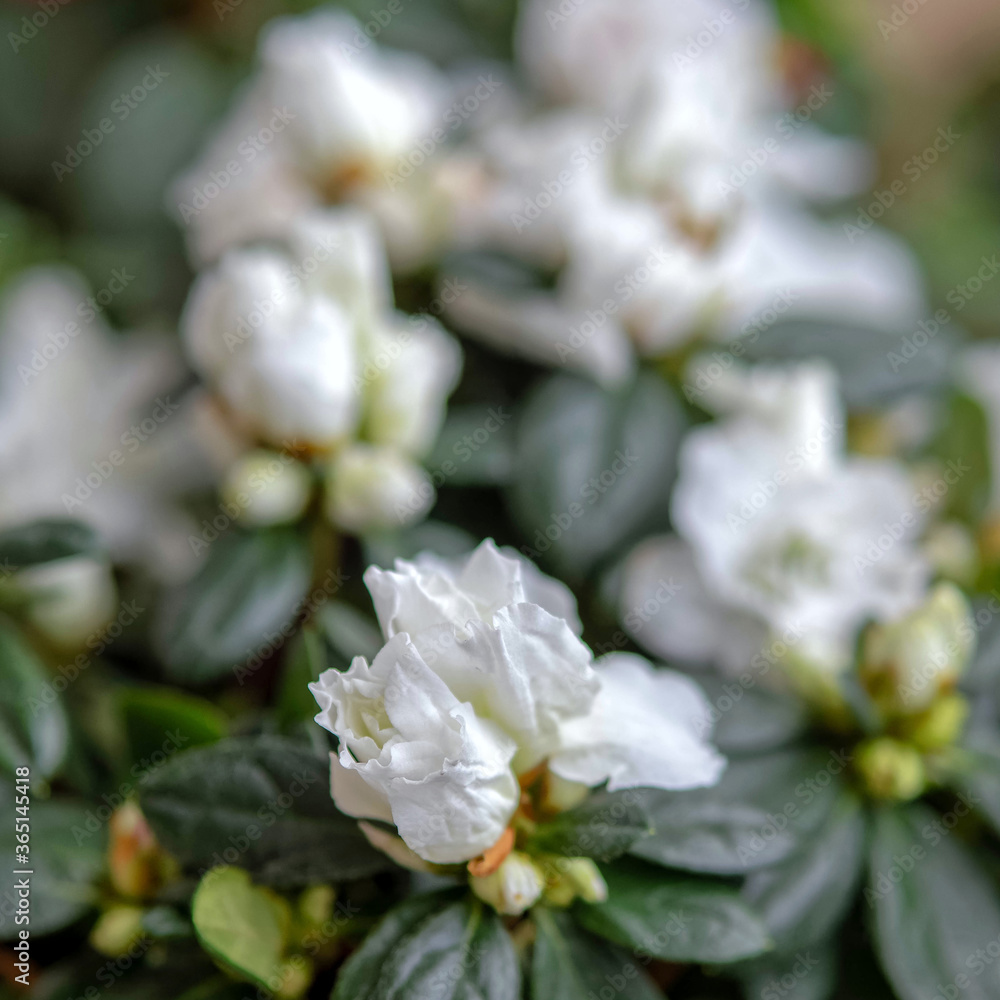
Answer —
803 899
605 826
66 856
45 541
569 964
672 917
808 974
589 473
152 715
34 730
935 909
238 608
756 816
263 804
433 947
758 721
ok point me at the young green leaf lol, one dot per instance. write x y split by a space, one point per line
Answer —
241 924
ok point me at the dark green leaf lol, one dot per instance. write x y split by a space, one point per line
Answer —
34 730
872 363
475 447
756 816
809 974
803 899
605 826
45 541
305 661
430 947
66 857
675 918
233 613
263 804
589 472
758 720
570 964
935 909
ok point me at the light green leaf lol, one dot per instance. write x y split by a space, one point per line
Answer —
241 924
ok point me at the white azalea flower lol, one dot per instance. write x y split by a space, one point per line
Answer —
306 352
478 684
780 529
326 120
89 422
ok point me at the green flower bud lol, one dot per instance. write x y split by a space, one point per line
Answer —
513 887
267 487
116 930
907 663
891 769
941 725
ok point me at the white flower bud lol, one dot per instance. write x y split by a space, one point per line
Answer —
267 487
372 488
70 599
515 886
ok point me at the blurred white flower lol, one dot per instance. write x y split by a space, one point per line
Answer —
87 420
782 534
306 352
665 192
324 121
478 684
